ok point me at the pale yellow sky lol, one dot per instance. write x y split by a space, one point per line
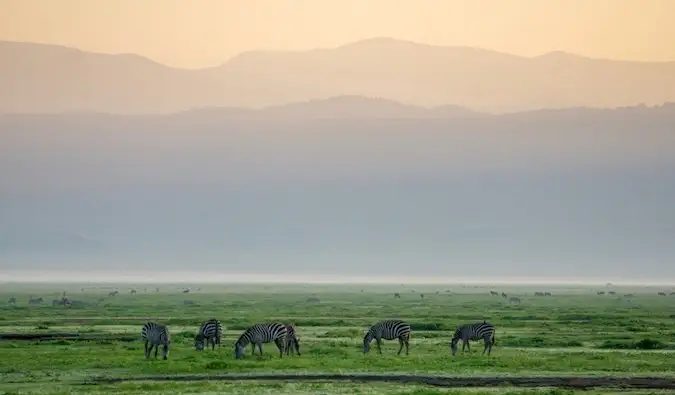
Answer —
201 33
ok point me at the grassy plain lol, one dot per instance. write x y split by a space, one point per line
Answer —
573 332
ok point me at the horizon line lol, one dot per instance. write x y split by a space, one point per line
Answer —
103 277
344 44
470 113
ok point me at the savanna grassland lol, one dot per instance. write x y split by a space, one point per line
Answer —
573 332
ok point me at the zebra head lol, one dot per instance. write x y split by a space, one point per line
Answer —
453 345
199 343
239 350
366 342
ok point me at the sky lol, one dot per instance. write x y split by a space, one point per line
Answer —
203 33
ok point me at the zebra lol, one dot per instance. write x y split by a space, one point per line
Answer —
211 331
601 292
480 330
259 334
32 301
12 300
156 335
513 299
397 295
292 341
493 293
388 330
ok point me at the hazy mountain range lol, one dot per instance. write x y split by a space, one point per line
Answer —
342 186
37 78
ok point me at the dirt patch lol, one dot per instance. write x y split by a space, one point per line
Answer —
438 381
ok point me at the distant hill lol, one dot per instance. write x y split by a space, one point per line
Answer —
576 192
37 78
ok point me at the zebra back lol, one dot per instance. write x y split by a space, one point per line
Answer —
389 330
261 333
156 334
209 330
475 331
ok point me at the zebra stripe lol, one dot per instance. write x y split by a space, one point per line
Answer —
211 332
292 341
259 334
481 330
156 335
388 330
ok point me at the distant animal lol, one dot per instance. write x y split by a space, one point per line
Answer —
422 296
61 302
537 293
513 299
662 294
211 332
292 341
313 300
547 294
493 293
601 292
32 301
113 293
476 331
133 291
186 291
188 302
628 295
611 293
388 330
259 334
11 300
504 295
397 295
672 294
156 335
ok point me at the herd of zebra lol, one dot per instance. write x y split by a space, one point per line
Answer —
286 340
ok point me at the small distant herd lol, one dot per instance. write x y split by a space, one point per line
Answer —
285 337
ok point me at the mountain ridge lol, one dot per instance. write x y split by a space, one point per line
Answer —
55 78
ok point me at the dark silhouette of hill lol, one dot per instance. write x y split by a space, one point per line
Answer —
40 78
557 193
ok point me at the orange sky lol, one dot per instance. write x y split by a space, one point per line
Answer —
200 33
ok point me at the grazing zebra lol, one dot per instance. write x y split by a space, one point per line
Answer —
481 330
493 293
259 334
32 301
210 331
292 341
156 335
397 295
601 292
388 330
11 300
611 293
662 294
537 293
547 294
513 299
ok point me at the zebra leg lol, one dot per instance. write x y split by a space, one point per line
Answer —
260 348
252 348
407 345
280 345
400 348
147 351
213 343
156 350
486 341
379 345
468 345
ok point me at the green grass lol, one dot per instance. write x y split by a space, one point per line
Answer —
574 332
